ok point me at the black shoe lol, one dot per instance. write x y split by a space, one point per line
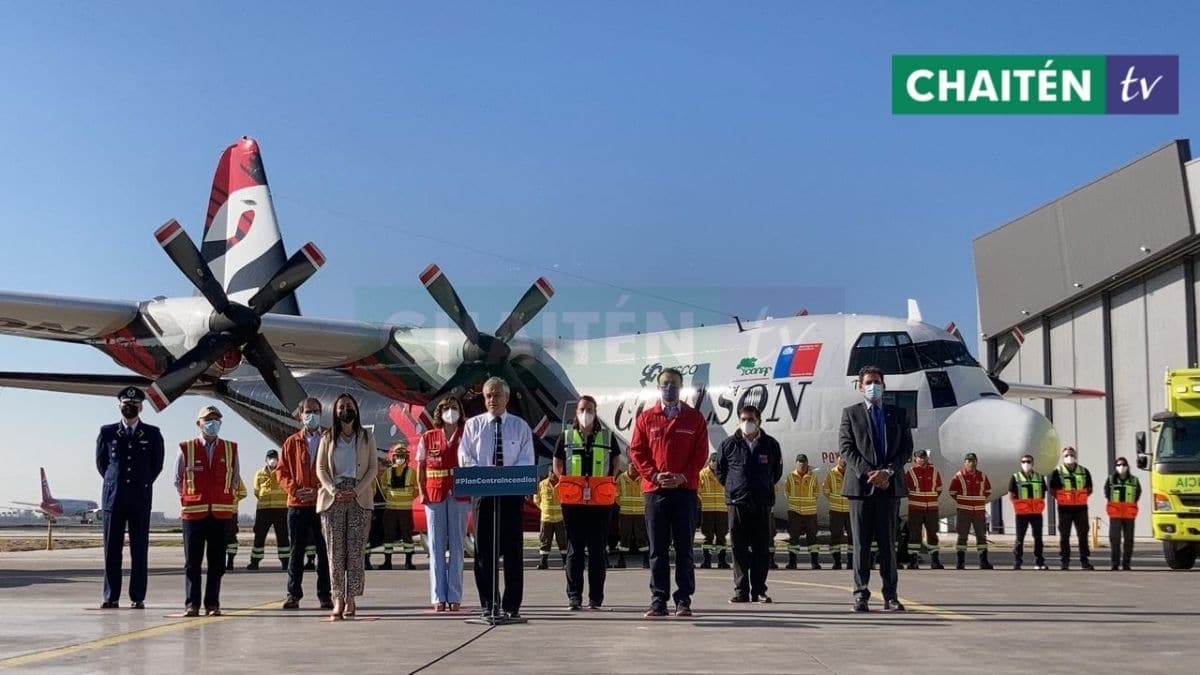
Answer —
837 565
1066 566
1016 566
138 605
575 606
738 599
861 605
1086 565
935 562
228 563
774 565
764 598
790 566
284 565
212 611
1126 568
367 563
892 606
683 610
326 602
310 565
387 565
912 564
594 606
408 563
620 563
293 602
253 565
515 614
655 611
191 610
110 605
1115 567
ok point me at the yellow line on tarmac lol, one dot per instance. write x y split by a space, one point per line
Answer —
919 606
121 638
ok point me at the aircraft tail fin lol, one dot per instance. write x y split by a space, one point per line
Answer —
242 244
46 496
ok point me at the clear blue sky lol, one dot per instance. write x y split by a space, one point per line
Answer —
666 145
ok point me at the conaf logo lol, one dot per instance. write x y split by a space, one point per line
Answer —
748 367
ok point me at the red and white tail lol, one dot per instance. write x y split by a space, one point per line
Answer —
46 496
242 244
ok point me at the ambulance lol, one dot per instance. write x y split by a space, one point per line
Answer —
1174 466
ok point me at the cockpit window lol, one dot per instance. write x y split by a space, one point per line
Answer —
896 354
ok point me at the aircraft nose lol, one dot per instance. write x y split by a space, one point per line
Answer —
999 431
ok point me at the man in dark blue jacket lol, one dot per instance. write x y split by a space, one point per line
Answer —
749 464
129 456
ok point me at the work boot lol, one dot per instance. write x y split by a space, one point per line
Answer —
646 560
706 564
837 560
983 561
1115 566
935 563
914 561
284 563
722 560
962 561
311 563
621 560
387 562
1086 565
367 562
544 563
791 565
774 565
228 561
253 564
850 560
564 560
408 564
815 559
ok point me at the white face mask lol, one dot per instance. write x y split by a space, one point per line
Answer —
1026 466
271 464
1069 460
450 415
1122 470
586 418
873 391
748 427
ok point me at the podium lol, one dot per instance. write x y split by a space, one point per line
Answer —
495 481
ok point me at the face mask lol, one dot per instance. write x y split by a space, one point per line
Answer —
271 464
1026 466
347 415
586 418
1069 461
669 393
129 410
312 420
1122 470
212 427
450 415
748 427
873 391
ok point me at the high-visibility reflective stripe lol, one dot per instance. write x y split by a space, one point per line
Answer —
600 450
191 461
437 473
801 493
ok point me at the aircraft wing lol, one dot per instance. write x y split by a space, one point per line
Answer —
53 317
37 506
73 383
1020 390
395 361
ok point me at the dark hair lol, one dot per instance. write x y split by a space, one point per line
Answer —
868 370
356 425
670 371
441 406
1026 457
1122 459
753 410
589 399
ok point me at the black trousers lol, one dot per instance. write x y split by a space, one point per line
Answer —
509 542
115 523
587 531
671 519
1120 538
750 531
264 520
874 519
204 541
304 530
1025 523
1076 516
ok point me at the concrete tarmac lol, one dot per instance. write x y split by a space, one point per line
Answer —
958 621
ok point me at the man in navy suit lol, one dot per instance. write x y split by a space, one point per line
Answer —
129 456
876 443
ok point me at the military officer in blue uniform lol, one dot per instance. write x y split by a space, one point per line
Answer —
129 456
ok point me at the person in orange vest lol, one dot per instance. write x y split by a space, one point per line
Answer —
924 488
1071 485
800 489
1122 490
971 490
839 514
714 517
206 478
1027 489
553 531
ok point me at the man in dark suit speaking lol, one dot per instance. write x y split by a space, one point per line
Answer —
876 443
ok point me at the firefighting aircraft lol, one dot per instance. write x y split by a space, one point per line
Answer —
241 339
83 509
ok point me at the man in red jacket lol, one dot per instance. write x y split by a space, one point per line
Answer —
669 447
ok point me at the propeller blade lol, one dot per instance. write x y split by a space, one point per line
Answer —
187 369
447 298
1009 346
527 307
183 252
275 373
466 376
302 265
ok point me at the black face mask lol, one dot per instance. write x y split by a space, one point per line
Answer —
129 410
347 415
